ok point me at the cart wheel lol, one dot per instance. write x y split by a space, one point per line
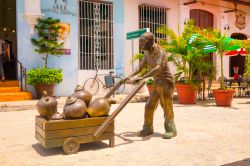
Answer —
71 146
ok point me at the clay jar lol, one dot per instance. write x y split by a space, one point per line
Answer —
47 106
74 108
99 107
56 116
83 94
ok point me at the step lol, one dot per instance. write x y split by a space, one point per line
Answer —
15 96
9 83
9 89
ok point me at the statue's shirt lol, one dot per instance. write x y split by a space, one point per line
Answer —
158 57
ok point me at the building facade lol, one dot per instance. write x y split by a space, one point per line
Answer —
96 32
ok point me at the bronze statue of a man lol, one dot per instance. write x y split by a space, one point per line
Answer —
163 88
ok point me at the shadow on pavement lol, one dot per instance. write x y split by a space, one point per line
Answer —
131 137
59 150
204 104
247 102
244 162
47 152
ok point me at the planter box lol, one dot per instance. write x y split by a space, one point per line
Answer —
49 88
187 94
150 87
223 97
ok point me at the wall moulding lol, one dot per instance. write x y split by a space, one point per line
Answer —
32 11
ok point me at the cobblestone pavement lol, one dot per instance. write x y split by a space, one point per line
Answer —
207 136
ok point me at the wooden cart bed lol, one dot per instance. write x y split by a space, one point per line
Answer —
54 133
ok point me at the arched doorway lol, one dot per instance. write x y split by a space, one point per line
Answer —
238 60
203 19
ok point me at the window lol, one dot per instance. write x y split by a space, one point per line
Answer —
95 35
153 17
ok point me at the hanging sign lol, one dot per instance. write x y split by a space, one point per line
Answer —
136 34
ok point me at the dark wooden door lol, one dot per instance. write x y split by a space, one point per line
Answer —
203 19
8 34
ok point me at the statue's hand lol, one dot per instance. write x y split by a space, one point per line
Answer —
124 80
137 80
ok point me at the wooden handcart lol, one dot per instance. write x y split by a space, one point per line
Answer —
71 133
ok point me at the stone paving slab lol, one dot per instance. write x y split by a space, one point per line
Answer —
207 136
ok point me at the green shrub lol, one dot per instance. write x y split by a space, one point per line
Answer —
46 41
150 82
44 76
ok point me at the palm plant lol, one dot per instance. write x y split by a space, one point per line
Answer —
221 44
247 63
186 51
139 57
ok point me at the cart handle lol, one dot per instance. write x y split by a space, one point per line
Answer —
111 118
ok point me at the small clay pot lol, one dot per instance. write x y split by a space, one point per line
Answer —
47 106
83 94
74 108
57 116
99 107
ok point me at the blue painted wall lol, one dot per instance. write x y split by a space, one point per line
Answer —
69 63
119 36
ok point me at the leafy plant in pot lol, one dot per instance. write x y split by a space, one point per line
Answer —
149 84
43 79
222 44
247 63
46 43
186 52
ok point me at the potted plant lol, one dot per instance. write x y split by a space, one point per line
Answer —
247 73
149 84
43 78
222 44
186 54
247 62
46 43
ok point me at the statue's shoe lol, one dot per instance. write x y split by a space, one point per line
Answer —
169 135
144 133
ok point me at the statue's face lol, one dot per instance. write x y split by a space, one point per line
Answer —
145 44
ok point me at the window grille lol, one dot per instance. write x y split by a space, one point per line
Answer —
95 35
153 17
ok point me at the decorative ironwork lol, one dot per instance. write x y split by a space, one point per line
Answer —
95 35
153 17
97 30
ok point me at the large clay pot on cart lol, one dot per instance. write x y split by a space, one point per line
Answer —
83 94
47 106
74 108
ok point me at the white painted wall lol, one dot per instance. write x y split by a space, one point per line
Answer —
132 23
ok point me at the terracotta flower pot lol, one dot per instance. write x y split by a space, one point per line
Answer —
150 87
49 88
223 97
187 94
